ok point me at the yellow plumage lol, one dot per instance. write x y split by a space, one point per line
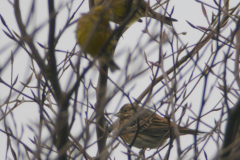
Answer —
93 32
118 8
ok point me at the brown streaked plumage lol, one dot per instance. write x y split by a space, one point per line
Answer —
153 129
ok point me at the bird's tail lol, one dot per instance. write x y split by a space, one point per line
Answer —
184 131
162 18
113 66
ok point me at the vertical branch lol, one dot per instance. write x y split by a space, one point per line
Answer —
236 70
62 129
100 105
102 84
51 51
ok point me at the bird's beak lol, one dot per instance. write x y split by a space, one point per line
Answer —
117 114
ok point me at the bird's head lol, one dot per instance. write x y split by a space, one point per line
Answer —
127 111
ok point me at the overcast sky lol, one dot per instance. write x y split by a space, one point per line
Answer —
184 10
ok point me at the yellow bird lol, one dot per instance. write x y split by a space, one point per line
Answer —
119 8
93 32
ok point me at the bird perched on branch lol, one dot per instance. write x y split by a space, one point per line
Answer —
118 8
93 35
151 130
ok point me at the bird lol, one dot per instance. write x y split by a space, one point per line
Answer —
93 32
152 130
118 8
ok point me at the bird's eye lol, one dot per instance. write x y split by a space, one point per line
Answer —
125 110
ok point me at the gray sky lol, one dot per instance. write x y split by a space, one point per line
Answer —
26 114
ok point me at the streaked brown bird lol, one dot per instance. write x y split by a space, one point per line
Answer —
118 8
153 130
